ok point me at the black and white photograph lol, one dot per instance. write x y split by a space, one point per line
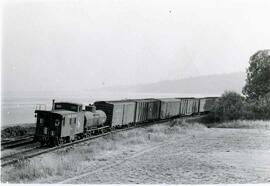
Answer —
135 92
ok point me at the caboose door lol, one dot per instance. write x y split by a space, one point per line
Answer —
72 128
57 126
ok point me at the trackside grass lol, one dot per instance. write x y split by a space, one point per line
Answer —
91 155
75 159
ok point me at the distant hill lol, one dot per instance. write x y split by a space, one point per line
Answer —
211 84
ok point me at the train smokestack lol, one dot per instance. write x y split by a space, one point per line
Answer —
53 101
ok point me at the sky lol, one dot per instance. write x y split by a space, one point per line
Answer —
86 44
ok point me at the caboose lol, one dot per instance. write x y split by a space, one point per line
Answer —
66 122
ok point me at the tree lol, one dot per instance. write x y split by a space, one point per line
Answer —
261 107
258 76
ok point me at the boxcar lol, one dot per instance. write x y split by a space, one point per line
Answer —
182 106
129 112
147 110
153 109
141 111
118 112
195 107
186 106
169 108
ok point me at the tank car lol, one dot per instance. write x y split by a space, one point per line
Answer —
94 121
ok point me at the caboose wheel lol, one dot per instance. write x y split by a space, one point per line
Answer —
56 142
42 143
61 141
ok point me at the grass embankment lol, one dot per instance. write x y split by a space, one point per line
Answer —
70 160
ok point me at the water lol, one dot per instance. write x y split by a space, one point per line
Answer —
18 108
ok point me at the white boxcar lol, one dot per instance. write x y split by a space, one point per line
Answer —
169 108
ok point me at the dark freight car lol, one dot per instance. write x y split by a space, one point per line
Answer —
118 112
170 107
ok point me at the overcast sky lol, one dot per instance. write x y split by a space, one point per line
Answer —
76 45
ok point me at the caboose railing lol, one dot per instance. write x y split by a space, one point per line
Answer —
40 107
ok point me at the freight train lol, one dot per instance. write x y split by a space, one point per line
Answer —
67 122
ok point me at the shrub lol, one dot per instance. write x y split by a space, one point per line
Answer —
15 131
229 107
232 106
245 124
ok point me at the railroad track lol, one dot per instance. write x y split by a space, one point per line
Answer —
16 157
17 142
11 140
7 160
12 158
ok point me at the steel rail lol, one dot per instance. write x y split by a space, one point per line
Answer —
17 143
17 140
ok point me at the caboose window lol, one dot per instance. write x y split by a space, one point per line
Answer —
41 120
58 106
66 106
74 108
72 120
57 122
45 130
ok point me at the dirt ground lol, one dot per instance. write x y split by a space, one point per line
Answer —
210 156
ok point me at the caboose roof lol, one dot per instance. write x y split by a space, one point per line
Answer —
71 103
116 102
63 112
186 98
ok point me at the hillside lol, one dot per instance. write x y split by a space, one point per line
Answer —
211 84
